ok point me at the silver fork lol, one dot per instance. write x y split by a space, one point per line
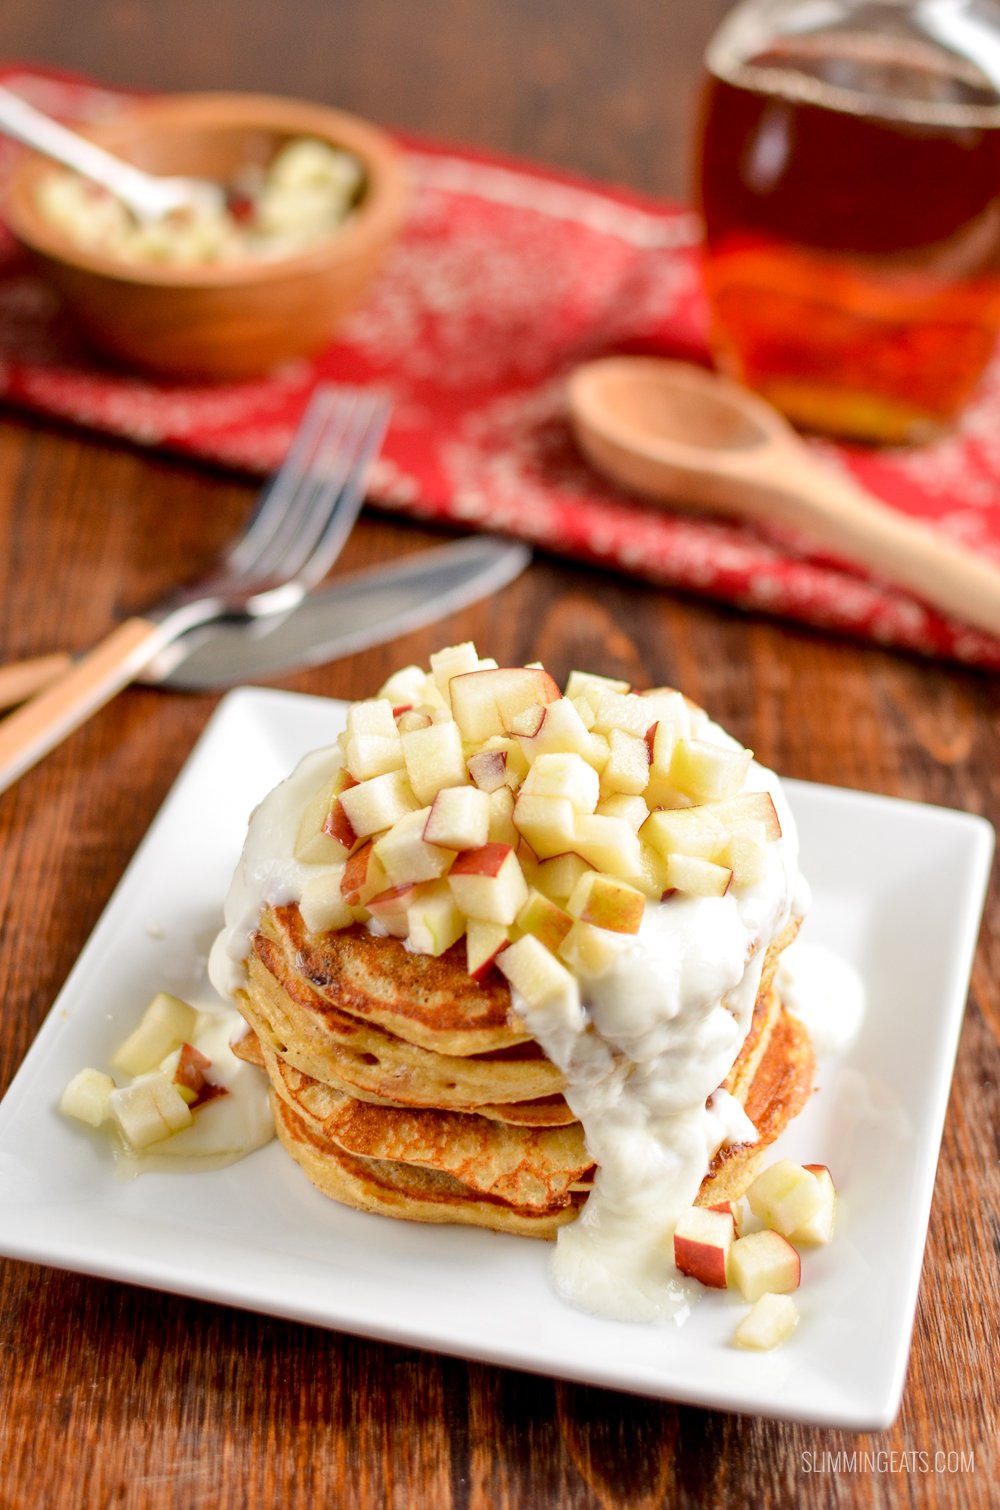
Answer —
301 522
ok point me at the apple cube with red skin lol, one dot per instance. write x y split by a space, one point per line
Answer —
459 818
314 843
785 1196
488 884
339 828
454 660
189 1073
819 1227
545 919
390 908
434 759
485 702
607 902
406 856
434 922
363 876
703 1240
483 942
770 1321
733 1209
764 1263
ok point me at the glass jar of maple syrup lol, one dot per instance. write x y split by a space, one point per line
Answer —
849 181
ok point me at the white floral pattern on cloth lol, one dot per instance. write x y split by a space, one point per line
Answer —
508 275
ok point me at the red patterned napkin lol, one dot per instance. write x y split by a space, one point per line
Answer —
506 277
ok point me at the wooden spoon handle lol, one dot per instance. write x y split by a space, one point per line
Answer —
842 516
44 721
22 679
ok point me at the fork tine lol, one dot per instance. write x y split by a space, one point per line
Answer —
329 500
340 516
273 503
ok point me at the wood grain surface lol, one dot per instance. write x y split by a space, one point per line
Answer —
112 1396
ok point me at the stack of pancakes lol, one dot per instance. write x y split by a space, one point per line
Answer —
403 1086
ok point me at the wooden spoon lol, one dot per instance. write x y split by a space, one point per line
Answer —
683 436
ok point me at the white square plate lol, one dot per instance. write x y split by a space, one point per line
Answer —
898 889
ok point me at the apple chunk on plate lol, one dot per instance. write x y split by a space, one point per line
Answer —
770 1321
786 1196
459 818
764 1263
703 1240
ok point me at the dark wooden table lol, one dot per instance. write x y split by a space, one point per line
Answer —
114 1396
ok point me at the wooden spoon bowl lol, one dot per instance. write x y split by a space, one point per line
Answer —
225 320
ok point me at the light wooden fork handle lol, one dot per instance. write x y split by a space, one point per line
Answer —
22 679
67 702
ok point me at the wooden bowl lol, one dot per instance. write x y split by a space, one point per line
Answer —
227 320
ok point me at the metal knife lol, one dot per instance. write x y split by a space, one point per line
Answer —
356 611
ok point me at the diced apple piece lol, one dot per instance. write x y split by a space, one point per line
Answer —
389 908
694 831
547 988
746 854
598 753
545 919
338 828
652 877
819 1227
166 1023
189 1072
592 687
696 877
546 822
483 942
733 1209
488 884
405 687
322 903
590 951
558 730
770 1321
785 1196
372 716
703 1239
434 759
363 876
378 803
563 776
485 702
433 918
625 711
371 755
501 825
660 741
558 875
459 818
622 805
764 1263
488 769
584 708
411 719
607 902
517 761
405 855
149 1110
748 808
453 660
607 843
87 1097
627 769
314 846
708 772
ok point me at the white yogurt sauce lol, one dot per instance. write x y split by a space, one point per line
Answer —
825 993
643 1062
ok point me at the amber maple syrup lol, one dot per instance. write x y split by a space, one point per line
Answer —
850 186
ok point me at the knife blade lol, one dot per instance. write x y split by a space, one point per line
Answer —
357 611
